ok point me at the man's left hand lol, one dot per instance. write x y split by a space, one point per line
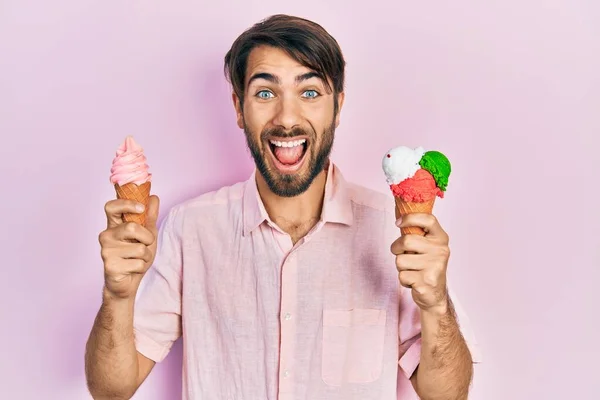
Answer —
422 262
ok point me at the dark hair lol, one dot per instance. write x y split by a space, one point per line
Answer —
305 41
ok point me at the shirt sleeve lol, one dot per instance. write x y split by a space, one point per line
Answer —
410 338
157 313
409 332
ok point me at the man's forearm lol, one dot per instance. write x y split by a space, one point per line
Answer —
446 368
111 362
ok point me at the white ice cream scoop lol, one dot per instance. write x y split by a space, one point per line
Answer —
401 163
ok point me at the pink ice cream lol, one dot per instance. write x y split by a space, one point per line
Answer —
129 164
419 188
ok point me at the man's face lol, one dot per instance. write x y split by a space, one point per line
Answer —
288 118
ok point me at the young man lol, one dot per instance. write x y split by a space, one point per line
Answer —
283 286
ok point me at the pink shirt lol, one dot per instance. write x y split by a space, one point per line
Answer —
264 319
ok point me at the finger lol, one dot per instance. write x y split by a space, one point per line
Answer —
135 251
115 209
410 244
117 267
133 266
428 222
152 214
408 278
410 262
133 231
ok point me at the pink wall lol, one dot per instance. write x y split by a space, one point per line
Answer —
510 92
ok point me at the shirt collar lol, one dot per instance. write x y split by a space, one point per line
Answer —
337 204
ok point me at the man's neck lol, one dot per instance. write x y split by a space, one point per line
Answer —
295 215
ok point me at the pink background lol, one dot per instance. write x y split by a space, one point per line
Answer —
511 93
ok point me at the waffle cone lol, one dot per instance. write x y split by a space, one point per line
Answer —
139 193
404 208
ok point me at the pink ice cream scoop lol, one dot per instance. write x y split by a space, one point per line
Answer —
129 164
419 188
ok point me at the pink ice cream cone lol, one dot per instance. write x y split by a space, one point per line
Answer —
130 176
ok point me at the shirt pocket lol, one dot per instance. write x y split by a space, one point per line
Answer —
353 343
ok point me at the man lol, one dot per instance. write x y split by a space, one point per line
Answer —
283 286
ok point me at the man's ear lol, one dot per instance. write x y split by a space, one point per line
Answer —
237 104
340 97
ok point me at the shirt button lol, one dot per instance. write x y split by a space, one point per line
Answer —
286 374
288 316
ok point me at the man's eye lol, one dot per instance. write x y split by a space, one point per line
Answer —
264 94
311 94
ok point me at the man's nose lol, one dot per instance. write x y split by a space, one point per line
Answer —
288 114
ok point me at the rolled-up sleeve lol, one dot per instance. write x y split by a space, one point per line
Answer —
157 313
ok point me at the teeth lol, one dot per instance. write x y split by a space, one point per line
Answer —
288 144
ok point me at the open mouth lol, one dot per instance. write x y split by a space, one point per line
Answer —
288 155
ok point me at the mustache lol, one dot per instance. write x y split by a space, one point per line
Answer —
283 134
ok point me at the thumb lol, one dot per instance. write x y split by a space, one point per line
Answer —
152 214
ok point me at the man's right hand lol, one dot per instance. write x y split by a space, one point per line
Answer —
127 248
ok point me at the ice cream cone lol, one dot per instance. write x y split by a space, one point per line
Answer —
405 208
416 178
139 193
130 176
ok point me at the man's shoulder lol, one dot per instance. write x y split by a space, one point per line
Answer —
374 212
210 201
370 199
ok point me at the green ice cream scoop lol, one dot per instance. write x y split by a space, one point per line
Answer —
438 166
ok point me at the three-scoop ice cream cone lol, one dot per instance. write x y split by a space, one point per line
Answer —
129 174
416 179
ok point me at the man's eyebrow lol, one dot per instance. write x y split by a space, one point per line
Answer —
274 79
266 76
307 76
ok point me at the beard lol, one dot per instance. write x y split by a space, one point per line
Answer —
293 184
